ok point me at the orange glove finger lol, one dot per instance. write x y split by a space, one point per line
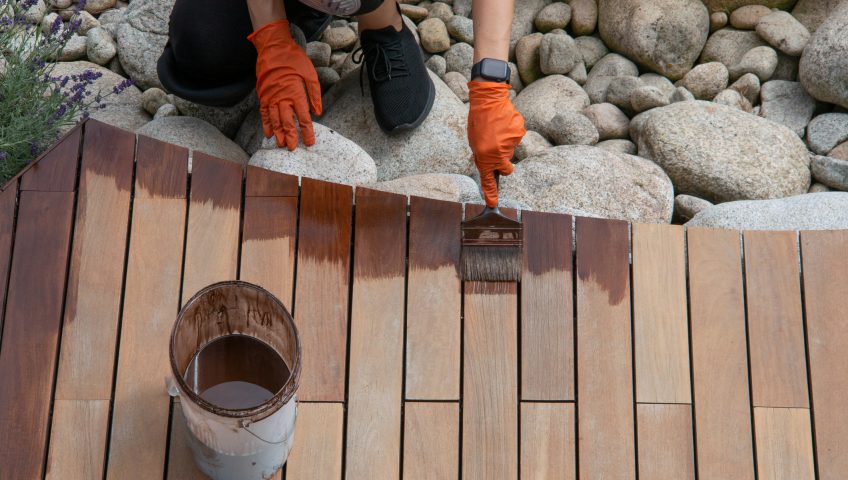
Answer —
505 168
489 187
313 88
277 125
307 131
267 131
289 128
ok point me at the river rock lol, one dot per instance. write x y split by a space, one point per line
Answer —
788 104
658 81
687 206
568 177
812 13
783 32
339 38
827 131
664 35
722 154
618 146
830 171
226 119
840 151
814 211
558 53
439 144
166 110
731 5
592 49
458 85
153 98
440 10
460 58
141 39
706 80
609 120
681 95
761 61
100 48
527 57
522 20
746 18
461 28
532 144
572 128
584 16
434 35
748 86
718 20
729 45
553 16
194 134
620 90
546 97
578 73
441 186
732 98
646 98
817 187
824 64
437 65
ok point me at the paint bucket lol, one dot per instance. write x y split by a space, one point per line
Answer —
235 360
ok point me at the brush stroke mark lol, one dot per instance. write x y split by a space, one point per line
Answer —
161 169
602 255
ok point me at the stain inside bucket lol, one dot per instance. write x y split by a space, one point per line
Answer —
236 372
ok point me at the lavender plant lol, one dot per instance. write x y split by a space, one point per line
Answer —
35 105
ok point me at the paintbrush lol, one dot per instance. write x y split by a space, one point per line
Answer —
491 247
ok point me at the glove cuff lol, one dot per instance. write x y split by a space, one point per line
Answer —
277 29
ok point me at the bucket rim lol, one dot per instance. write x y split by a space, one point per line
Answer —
280 398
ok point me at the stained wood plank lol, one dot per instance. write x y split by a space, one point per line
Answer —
433 325
660 320
317 451
321 299
8 206
141 403
431 441
547 315
56 169
775 320
604 355
784 443
719 355
32 328
213 223
547 441
666 448
78 439
268 245
261 182
825 266
375 380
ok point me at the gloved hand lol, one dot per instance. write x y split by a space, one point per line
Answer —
284 77
495 128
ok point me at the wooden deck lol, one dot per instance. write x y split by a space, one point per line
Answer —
625 351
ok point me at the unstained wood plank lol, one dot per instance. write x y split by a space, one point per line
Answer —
660 321
775 320
151 302
666 448
375 381
431 441
321 299
719 355
547 441
31 330
317 451
825 266
784 443
8 206
604 352
433 324
547 316
56 169
89 335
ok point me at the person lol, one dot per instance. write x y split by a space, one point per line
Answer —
218 51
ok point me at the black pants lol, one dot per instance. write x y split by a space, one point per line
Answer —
208 58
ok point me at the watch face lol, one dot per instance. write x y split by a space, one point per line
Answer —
494 69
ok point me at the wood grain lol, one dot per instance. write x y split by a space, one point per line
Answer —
317 451
78 439
151 302
434 300
431 441
547 313
490 383
321 300
8 207
261 182
784 443
666 448
775 320
547 441
375 380
825 267
604 355
32 328
660 320
719 355
56 169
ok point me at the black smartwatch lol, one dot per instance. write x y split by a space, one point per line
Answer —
491 69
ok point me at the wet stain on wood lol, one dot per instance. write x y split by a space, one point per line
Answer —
215 181
602 255
434 234
266 183
162 168
56 171
383 217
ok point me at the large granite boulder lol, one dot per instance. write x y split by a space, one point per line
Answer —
194 134
731 5
814 211
441 186
141 39
824 64
540 101
812 13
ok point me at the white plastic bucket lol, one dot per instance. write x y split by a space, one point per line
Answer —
248 443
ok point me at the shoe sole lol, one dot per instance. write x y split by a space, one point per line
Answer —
343 8
431 98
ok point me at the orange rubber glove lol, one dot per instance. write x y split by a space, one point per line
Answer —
284 76
495 128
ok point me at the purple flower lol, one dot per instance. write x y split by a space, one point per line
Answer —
3 156
122 86
56 25
74 25
27 4
33 148
61 110
6 22
80 6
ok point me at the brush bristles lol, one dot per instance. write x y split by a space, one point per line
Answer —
490 264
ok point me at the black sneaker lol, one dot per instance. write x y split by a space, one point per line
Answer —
311 21
401 88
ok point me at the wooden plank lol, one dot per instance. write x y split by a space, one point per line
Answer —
8 206
547 314
268 245
825 267
261 182
321 300
431 441
660 320
317 451
775 320
547 441
213 223
719 355
56 169
151 301
784 443
666 448
434 302
375 380
31 330
78 439
604 354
